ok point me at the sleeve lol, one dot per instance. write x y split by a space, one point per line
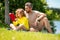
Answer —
12 16
25 23
15 23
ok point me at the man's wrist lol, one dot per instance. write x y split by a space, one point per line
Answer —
37 19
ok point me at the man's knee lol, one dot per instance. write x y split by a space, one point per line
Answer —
45 18
32 29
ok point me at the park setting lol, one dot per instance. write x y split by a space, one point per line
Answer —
50 10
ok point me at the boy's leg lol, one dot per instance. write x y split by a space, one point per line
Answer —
12 26
21 27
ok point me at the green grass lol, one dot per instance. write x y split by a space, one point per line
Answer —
21 35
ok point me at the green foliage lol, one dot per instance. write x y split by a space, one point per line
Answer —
52 26
2 10
37 4
52 15
49 14
3 25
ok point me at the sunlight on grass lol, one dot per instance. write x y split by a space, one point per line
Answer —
22 35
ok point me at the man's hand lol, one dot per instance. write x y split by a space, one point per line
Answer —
41 16
36 23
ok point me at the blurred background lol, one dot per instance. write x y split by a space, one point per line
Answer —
50 7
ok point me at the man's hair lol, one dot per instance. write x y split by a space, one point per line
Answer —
29 4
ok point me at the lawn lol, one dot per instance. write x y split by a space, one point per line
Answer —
22 35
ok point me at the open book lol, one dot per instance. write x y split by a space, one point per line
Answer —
12 16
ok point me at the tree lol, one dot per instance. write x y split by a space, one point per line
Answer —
7 20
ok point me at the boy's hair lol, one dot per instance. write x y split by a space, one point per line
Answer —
29 4
21 12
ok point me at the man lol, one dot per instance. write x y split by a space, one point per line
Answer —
37 20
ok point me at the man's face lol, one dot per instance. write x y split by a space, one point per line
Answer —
27 9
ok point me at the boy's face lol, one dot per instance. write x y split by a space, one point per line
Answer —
20 13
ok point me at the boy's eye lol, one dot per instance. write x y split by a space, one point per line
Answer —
20 11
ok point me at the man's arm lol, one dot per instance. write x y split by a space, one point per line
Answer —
40 16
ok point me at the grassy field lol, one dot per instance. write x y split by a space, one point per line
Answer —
22 35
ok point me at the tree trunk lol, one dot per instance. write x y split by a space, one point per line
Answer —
7 19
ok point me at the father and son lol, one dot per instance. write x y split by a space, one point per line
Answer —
30 20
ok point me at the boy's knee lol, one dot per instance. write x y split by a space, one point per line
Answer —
11 25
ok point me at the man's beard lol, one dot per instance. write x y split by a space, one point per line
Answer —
28 11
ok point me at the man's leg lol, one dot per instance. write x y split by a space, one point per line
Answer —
33 30
44 22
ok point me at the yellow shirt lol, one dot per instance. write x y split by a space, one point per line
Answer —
23 21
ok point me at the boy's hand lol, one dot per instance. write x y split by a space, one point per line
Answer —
16 19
